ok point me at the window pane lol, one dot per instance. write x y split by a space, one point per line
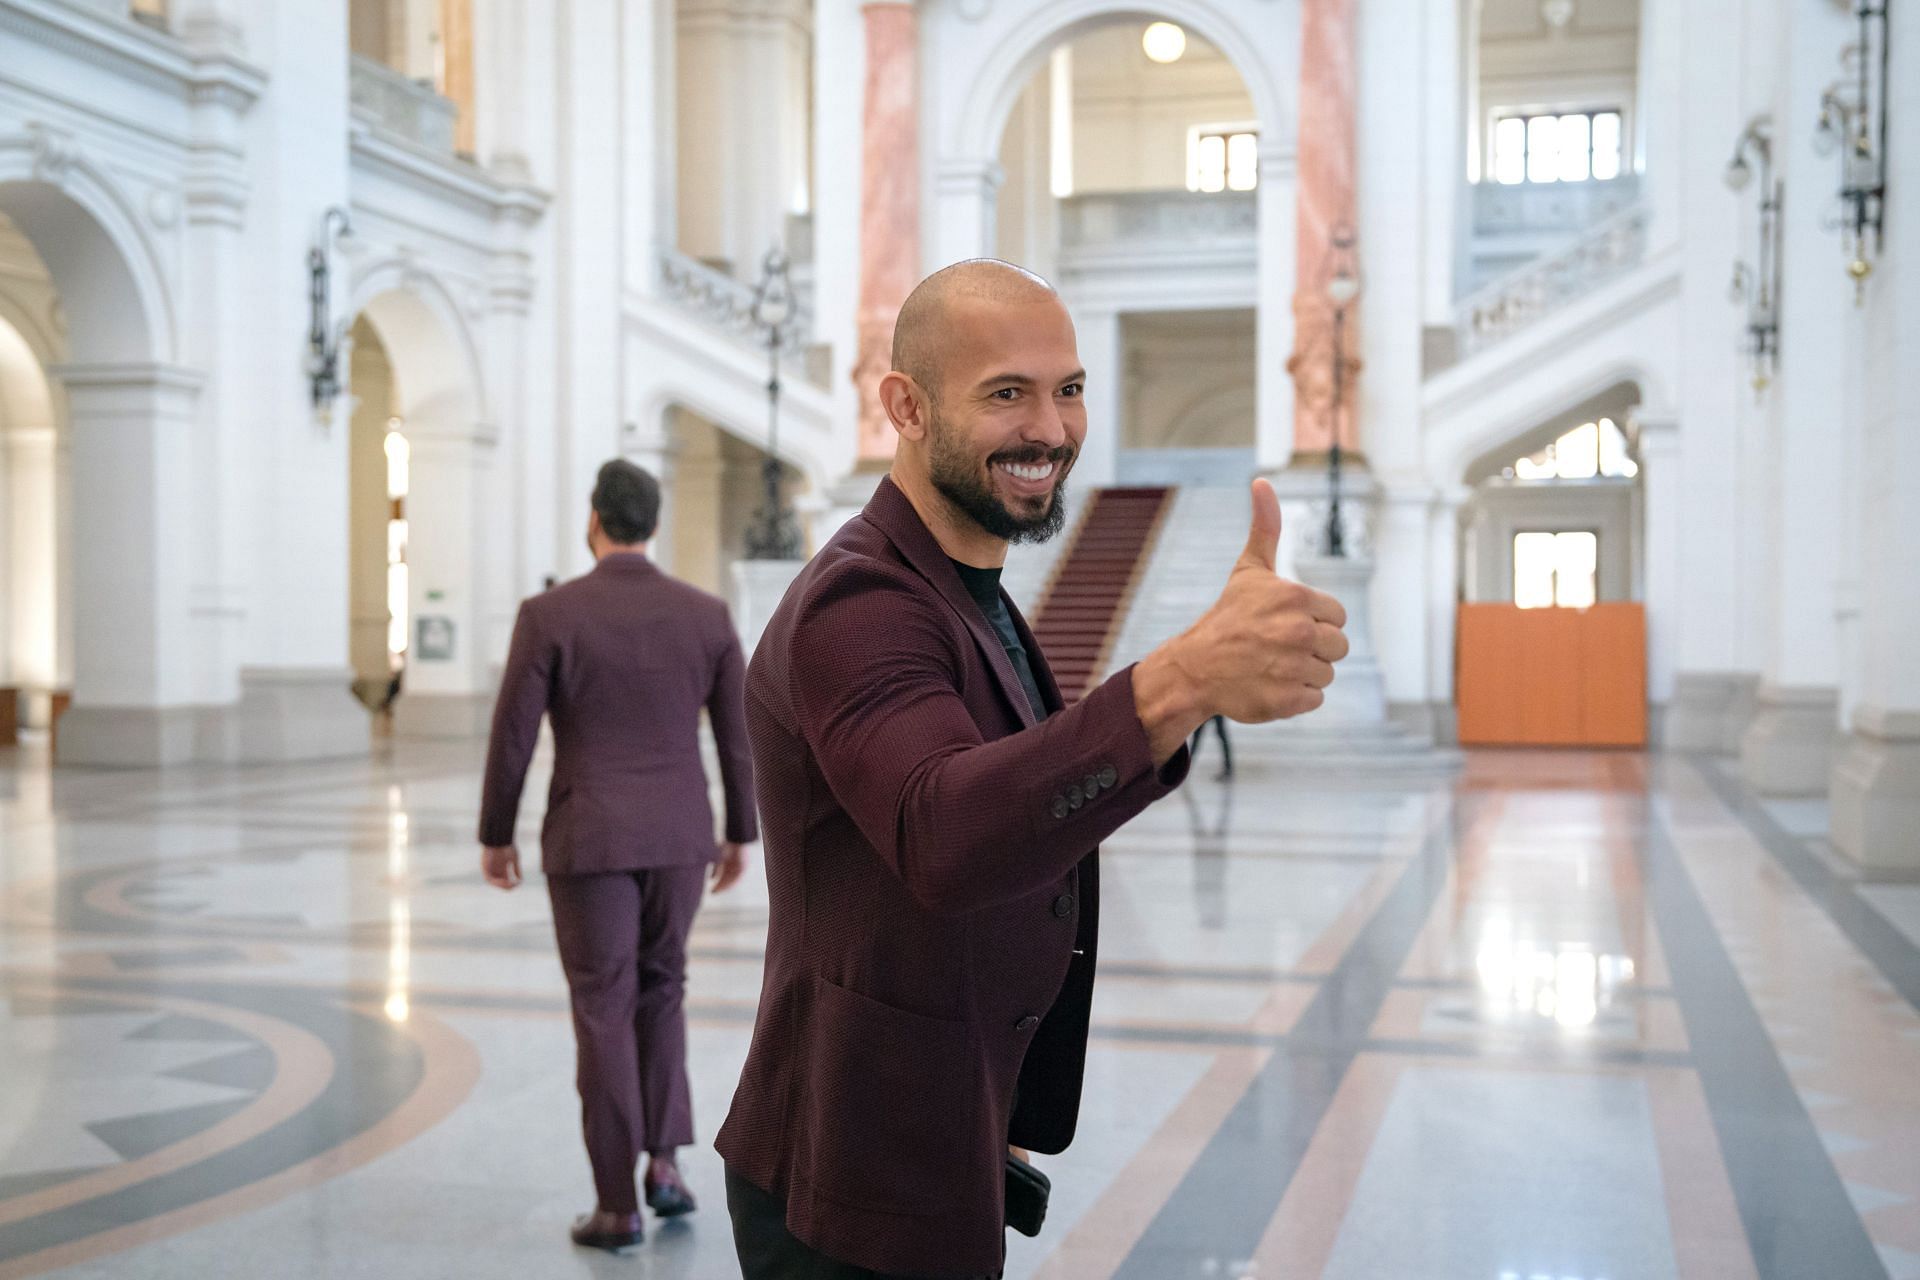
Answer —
1578 453
1213 163
1510 150
1543 151
1606 145
1576 559
1573 149
398 456
1538 467
1243 160
396 608
1533 570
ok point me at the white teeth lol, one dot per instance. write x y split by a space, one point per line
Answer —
1038 471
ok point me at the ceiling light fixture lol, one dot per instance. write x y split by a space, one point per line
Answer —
1163 42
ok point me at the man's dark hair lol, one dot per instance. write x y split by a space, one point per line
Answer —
626 497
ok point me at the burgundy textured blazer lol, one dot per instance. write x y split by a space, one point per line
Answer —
934 901
622 659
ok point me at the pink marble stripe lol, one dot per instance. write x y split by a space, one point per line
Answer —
1325 204
889 208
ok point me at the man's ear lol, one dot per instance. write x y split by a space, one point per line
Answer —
905 404
593 524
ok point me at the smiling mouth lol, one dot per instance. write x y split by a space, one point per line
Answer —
1032 472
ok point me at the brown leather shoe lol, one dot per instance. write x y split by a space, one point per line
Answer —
602 1229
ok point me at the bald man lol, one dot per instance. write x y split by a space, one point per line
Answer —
932 811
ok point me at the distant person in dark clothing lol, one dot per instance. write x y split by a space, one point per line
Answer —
1219 724
623 660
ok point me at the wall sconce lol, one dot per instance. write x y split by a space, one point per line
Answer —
1343 290
1853 124
323 338
1759 286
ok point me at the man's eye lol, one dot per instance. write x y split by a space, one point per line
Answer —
1072 390
1007 393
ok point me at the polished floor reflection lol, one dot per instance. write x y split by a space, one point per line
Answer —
1567 1016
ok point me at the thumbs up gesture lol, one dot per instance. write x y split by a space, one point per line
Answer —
1264 651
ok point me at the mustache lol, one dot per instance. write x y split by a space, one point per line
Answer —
1029 455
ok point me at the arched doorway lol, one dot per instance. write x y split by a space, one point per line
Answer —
143 660
36 621
418 586
1552 631
1133 178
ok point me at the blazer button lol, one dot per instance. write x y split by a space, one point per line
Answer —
1060 807
1063 905
1091 786
1109 776
1076 797
1027 1023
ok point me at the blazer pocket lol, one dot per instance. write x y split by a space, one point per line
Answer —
892 1122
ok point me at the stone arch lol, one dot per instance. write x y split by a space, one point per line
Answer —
101 259
425 333
1452 456
989 99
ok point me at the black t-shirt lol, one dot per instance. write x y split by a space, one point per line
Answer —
984 586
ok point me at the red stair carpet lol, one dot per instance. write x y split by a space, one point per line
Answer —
1080 615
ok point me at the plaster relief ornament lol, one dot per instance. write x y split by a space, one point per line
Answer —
163 208
54 152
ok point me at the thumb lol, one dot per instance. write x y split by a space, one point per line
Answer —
1263 539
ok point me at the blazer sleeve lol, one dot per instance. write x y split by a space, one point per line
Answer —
965 823
516 726
727 713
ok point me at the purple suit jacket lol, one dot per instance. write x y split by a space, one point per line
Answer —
934 902
622 659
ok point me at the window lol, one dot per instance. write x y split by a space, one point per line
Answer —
1561 147
1555 570
1589 450
1223 158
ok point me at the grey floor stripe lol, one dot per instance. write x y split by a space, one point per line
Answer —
1217 1215
1798 1218
1889 950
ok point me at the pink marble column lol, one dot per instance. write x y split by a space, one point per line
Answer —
1326 204
889 209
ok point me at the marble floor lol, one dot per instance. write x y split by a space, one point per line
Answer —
1564 1017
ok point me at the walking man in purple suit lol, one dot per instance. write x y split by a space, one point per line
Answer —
622 660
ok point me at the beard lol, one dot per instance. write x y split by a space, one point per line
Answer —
968 485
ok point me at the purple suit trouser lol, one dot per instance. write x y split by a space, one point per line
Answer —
623 944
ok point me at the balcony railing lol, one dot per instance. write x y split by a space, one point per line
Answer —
403 107
1548 283
1182 221
721 303
1548 208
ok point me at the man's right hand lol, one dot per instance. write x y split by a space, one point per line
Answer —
1265 650
732 861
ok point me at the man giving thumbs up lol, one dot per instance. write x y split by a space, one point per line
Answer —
932 811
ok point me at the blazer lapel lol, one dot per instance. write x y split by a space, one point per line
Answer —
894 516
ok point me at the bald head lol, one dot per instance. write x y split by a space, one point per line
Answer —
925 329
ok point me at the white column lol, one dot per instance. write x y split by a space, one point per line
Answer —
1685 182
1876 780
1102 355
966 190
1401 556
651 164
1277 217
742 153
1442 596
588 229
504 61
296 700
1442 154
1663 530
1788 748
131 428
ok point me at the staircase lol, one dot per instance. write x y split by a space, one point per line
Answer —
1092 586
1201 531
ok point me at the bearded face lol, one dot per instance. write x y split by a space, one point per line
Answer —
1016 492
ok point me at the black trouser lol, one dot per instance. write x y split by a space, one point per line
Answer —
768 1250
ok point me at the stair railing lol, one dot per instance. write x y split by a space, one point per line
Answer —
722 303
1612 248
